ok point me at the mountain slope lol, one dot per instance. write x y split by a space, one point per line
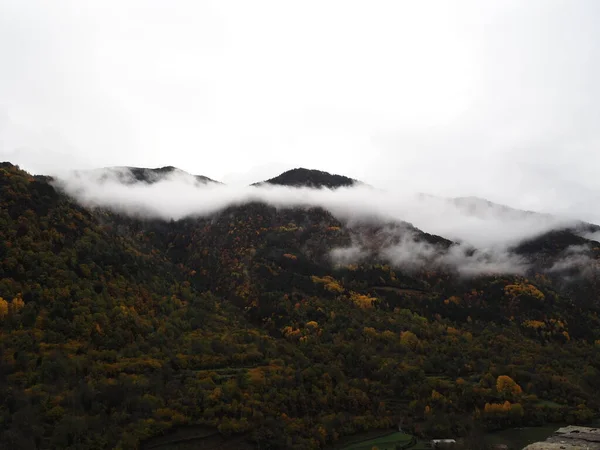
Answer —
84 318
301 177
130 175
238 329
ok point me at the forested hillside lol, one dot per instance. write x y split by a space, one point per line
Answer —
240 330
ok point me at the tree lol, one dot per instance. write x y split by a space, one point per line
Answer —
507 387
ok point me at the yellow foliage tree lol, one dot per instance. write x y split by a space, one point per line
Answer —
362 301
216 394
3 308
17 304
497 408
291 332
535 324
454 300
331 284
409 339
522 289
370 333
506 385
388 335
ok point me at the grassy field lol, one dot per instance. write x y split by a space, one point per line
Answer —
359 438
387 442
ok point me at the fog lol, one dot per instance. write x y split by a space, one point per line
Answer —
574 257
471 223
594 236
497 99
411 254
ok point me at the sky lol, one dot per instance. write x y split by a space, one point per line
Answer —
497 99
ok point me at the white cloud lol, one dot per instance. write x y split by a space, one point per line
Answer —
577 262
178 195
595 236
497 99
403 248
348 255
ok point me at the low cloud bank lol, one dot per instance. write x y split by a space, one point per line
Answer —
593 236
409 252
180 195
576 261
471 223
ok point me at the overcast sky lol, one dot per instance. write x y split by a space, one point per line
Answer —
494 99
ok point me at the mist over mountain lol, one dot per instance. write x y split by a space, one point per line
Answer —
336 193
469 234
132 175
155 175
481 208
147 308
298 225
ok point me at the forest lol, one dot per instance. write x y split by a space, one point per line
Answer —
128 332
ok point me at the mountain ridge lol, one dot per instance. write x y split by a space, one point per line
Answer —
240 325
151 175
301 177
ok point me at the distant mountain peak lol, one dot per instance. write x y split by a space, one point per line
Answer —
6 165
130 175
477 206
301 177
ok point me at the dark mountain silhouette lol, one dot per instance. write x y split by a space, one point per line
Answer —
311 178
141 174
241 330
